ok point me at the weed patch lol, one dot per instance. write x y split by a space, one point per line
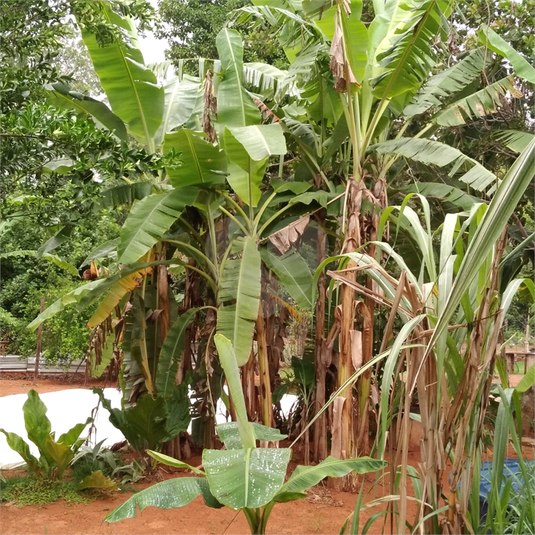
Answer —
37 491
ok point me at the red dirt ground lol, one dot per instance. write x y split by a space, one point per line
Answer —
323 512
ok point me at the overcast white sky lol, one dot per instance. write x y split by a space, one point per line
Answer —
152 48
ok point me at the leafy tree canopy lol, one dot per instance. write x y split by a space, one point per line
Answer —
191 26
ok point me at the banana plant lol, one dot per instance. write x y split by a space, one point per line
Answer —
242 477
55 455
461 287
166 117
381 87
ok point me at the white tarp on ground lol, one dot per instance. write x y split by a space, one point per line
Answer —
66 408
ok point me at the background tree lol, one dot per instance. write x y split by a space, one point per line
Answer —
191 26
55 167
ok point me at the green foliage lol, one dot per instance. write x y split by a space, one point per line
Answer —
65 337
242 477
55 455
152 421
90 459
190 27
510 503
30 490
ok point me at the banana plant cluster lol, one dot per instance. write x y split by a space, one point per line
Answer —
242 477
357 108
356 111
207 214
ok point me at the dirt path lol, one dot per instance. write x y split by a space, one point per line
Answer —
323 512
21 384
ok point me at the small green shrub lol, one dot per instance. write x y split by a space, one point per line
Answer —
55 455
31 490
152 421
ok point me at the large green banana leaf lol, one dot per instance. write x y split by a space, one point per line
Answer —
240 282
515 140
246 478
149 220
124 194
262 76
261 141
248 149
477 105
293 272
169 494
63 264
432 152
229 363
235 107
447 83
131 87
244 174
305 477
202 163
403 36
443 192
181 98
229 434
61 95
497 44
70 298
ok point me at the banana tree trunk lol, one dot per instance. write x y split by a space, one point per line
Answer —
321 360
191 297
266 403
344 446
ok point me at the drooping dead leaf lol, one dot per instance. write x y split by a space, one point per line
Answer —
336 443
210 107
283 239
267 114
339 64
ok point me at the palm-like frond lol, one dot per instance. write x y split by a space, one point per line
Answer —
515 140
404 57
432 152
131 87
477 105
262 76
447 83
149 220
442 192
